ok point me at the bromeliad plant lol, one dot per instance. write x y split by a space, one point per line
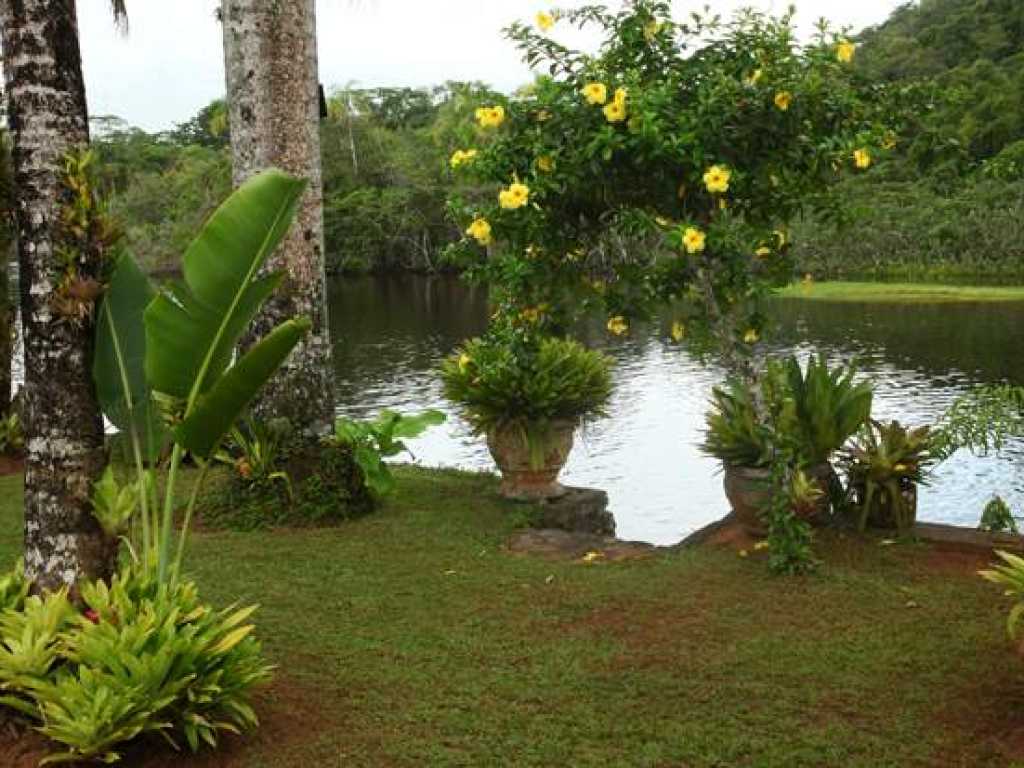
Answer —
147 656
885 465
163 361
1010 575
383 437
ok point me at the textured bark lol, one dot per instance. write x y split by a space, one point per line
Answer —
64 432
270 62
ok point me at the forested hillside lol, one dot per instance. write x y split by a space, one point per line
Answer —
951 200
948 201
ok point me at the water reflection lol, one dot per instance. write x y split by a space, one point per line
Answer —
390 334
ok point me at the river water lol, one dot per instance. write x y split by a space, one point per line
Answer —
391 332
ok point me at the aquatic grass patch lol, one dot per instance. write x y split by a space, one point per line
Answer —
903 293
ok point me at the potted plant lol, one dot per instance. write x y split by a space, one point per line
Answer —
884 467
813 411
824 408
527 393
738 437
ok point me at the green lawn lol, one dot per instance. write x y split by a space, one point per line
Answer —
409 638
901 292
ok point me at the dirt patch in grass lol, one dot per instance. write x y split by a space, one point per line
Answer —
987 715
954 560
11 465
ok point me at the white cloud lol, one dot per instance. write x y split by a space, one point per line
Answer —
170 64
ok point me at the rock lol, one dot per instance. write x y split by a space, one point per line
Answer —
580 510
564 545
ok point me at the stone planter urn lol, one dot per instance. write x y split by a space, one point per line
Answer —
749 492
522 480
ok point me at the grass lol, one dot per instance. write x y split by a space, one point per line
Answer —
900 292
410 638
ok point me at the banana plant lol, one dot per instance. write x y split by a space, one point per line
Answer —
176 346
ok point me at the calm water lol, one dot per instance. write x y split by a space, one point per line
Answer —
390 334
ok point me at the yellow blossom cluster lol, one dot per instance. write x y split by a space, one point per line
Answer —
545 21
595 93
462 156
716 179
480 230
845 50
516 195
490 117
862 159
783 99
545 163
694 240
616 111
617 325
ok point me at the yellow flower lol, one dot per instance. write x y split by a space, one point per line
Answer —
615 112
531 314
618 325
716 179
678 331
783 99
755 77
900 467
751 336
516 196
761 545
620 96
723 204
462 157
763 251
694 240
464 362
862 159
845 50
480 230
595 93
590 557
780 237
743 553
490 117
651 29
545 21
545 164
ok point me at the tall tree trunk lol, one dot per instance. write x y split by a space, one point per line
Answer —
64 432
270 62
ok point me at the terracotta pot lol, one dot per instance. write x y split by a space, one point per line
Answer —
520 479
749 492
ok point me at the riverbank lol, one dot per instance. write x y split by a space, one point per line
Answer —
900 293
413 637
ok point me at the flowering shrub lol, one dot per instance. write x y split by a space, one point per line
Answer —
685 148
667 166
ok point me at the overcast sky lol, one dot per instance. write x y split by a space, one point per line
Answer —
170 63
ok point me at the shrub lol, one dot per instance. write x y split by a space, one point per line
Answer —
997 517
145 657
372 441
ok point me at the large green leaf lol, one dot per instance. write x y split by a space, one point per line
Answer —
118 360
193 327
217 410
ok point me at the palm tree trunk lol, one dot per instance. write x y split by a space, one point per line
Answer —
274 105
64 433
